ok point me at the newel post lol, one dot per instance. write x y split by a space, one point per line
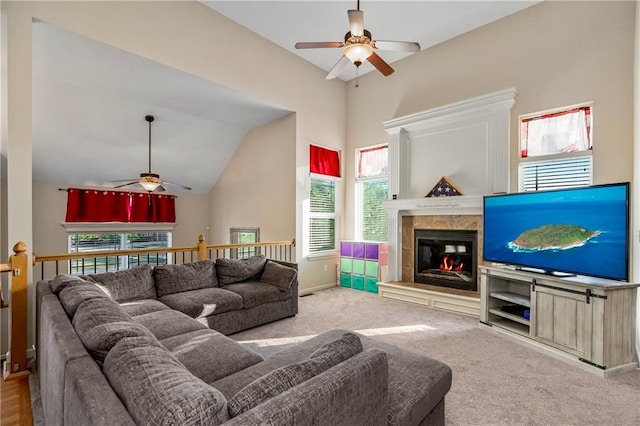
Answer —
16 364
202 248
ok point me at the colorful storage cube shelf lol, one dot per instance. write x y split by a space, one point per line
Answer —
363 264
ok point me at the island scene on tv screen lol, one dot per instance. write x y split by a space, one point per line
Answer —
582 231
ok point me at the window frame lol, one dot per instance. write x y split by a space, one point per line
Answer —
359 189
551 158
335 216
243 253
124 262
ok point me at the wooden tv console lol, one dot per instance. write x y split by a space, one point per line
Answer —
588 322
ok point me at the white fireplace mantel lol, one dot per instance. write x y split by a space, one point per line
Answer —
463 204
421 148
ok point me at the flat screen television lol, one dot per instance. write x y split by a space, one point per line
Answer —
581 231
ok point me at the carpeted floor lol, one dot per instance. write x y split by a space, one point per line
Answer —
495 380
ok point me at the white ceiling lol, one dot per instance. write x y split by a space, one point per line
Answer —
89 99
426 22
89 104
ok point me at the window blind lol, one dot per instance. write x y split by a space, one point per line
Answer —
322 221
324 161
556 174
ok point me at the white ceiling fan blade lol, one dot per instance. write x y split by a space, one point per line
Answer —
319 44
126 184
356 22
402 46
164 182
337 68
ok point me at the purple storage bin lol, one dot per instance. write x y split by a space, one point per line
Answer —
371 251
358 250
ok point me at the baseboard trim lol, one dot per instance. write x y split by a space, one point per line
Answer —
437 300
305 291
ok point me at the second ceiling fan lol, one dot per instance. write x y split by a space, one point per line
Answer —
359 46
149 181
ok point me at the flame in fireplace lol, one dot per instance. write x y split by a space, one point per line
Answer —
449 264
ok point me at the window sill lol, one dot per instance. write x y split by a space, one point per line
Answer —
322 255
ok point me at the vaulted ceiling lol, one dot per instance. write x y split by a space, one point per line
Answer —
90 99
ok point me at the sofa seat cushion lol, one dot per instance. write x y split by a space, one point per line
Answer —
289 376
203 302
210 355
101 324
235 270
168 323
278 275
72 296
171 279
143 306
157 389
128 284
255 293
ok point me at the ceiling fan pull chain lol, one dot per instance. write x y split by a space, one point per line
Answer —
357 77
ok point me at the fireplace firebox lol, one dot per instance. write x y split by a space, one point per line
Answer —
446 258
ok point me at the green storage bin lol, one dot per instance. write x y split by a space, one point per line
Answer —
358 266
345 264
345 280
371 284
357 282
371 268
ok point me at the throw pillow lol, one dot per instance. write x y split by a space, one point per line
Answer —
157 389
289 376
278 275
128 284
171 279
72 296
231 271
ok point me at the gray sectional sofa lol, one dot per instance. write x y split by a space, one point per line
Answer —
148 346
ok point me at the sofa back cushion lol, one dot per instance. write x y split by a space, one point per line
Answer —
235 270
170 279
278 275
101 323
58 283
289 376
157 389
72 296
128 284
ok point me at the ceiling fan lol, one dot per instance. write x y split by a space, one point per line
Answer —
149 181
359 46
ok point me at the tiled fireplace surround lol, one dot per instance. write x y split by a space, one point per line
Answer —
440 222
467 141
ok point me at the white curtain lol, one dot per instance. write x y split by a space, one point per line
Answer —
557 133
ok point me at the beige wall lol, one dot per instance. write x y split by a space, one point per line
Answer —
50 206
257 188
187 36
554 54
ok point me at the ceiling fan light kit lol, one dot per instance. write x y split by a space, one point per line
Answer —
150 181
359 46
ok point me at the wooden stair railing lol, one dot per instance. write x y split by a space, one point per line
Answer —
16 363
278 250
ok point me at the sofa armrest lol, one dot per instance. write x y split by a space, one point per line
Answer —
354 392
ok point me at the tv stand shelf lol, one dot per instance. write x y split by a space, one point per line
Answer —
588 322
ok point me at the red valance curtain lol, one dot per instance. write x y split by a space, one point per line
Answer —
324 161
89 205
